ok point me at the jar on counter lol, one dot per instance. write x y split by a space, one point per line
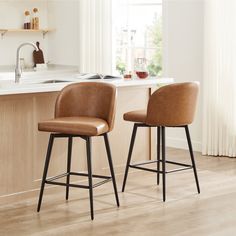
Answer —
128 75
141 68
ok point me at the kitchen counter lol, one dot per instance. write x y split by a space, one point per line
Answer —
46 81
23 147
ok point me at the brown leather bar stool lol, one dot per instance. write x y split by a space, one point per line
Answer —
170 106
82 110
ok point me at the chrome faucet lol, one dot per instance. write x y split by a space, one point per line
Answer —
18 69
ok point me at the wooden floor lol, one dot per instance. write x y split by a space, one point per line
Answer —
142 211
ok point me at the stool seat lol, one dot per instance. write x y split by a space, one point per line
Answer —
136 116
88 126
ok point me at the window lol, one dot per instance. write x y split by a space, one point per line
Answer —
137 34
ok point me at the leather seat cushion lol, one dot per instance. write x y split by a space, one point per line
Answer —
136 116
87 126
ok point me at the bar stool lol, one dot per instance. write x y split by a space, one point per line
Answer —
82 110
170 106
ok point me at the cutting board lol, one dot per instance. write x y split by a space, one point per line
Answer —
38 55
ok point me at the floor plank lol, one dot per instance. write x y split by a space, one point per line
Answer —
142 211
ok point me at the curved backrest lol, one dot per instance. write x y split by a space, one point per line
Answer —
173 105
91 99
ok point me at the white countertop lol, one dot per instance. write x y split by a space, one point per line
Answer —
34 82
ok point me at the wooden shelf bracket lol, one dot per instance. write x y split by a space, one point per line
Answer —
3 32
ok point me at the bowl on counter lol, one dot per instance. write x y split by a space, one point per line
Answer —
142 74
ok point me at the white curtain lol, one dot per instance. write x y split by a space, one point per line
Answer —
219 121
95 38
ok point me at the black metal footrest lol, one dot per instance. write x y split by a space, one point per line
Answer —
53 182
138 166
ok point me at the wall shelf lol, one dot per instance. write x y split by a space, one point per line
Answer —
43 31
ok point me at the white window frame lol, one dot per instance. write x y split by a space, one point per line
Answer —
114 47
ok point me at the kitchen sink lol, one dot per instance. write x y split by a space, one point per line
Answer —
54 81
9 84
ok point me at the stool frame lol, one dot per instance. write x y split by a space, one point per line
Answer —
163 161
90 174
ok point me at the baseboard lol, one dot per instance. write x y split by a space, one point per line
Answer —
182 144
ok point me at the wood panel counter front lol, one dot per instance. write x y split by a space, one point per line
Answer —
23 147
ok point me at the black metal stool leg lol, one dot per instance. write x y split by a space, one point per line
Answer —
70 140
163 163
158 153
111 168
129 155
89 163
192 157
47 160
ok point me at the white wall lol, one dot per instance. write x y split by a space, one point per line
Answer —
64 42
183 57
59 46
12 16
